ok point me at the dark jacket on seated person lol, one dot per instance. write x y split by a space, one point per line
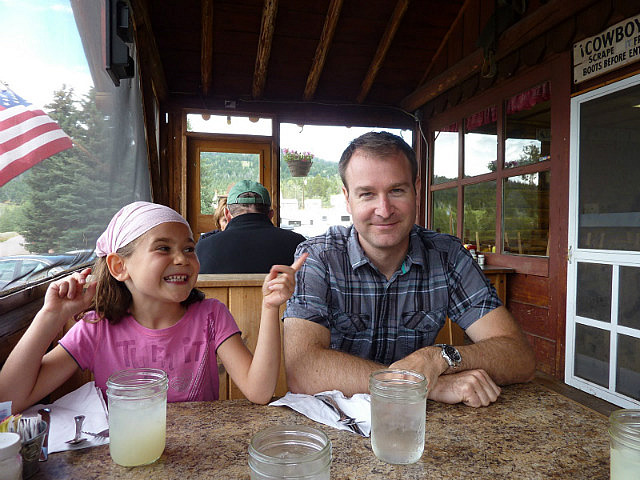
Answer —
249 244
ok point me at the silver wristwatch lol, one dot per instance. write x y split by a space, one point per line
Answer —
450 354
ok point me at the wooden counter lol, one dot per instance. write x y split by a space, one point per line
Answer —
531 432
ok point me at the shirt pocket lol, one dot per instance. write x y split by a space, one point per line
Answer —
350 322
425 322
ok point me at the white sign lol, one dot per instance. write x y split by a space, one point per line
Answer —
617 46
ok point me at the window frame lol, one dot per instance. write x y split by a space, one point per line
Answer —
554 73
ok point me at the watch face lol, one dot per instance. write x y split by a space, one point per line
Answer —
452 353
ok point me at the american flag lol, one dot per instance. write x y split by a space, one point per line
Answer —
27 135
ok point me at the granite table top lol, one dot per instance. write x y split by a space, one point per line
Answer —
531 432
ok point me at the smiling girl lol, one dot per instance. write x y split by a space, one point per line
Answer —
142 310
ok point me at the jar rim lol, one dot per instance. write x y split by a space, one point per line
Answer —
624 426
310 432
133 379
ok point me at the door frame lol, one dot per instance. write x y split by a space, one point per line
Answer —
615 258
263 146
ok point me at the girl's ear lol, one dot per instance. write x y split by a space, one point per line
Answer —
117 267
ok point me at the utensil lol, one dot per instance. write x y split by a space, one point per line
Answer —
103 434
45 415
78 438
344 419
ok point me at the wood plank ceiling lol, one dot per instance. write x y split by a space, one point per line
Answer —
335 52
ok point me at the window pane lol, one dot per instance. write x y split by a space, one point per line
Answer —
525 212
445 154
311 203
219 171
239 125
609 208
629 300
445 210
592 355
52 213
480 215
528 124
480 142
593 297
628 366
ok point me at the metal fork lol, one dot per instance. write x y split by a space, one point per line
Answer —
103 434
344 419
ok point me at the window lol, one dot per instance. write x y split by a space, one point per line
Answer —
505 168
52 213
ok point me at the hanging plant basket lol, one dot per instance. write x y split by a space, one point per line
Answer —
299 168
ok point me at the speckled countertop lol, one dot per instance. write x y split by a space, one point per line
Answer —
529 433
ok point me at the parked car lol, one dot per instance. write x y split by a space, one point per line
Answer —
17 270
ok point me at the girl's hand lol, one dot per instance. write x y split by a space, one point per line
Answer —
280 282
70 295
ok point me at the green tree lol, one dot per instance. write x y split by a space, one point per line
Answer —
70 196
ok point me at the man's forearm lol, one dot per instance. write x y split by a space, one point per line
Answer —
506 359
325 369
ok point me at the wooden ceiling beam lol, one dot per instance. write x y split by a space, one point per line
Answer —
206 52
443 43
330 23
148 48
383 48
267 28
526 30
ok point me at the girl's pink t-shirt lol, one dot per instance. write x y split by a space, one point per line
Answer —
186 351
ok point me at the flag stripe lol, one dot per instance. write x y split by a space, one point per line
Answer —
27 136
10 143
17 167
35 144
18 124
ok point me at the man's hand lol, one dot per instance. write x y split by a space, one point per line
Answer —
474 388
428 361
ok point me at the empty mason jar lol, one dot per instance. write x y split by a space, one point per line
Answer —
290 452
624 436
137 415
398 415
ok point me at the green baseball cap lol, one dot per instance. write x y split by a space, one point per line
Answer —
245 186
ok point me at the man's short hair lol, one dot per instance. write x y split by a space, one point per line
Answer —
253 205
381 145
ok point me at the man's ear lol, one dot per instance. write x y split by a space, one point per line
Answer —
117 268
271 214
346 198
227 214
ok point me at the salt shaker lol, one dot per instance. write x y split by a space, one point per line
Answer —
481 260
10 459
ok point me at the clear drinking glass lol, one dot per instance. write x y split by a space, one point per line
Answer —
137 415
290 452
624 435
398 415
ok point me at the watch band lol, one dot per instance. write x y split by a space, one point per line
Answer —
450 354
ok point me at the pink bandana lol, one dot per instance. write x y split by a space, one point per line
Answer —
132 221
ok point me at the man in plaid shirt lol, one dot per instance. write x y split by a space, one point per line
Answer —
376 294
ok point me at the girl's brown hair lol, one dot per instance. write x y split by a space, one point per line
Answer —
113 299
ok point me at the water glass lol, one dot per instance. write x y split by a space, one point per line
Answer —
624 436
137 415
398 415
290 452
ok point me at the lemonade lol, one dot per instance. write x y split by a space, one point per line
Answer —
137 431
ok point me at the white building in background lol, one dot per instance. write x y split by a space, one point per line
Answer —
313 219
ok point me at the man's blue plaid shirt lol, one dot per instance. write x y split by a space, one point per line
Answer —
386 320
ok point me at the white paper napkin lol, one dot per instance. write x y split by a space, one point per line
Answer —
358 406
86 400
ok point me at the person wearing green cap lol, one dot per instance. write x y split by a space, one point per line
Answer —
250 243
